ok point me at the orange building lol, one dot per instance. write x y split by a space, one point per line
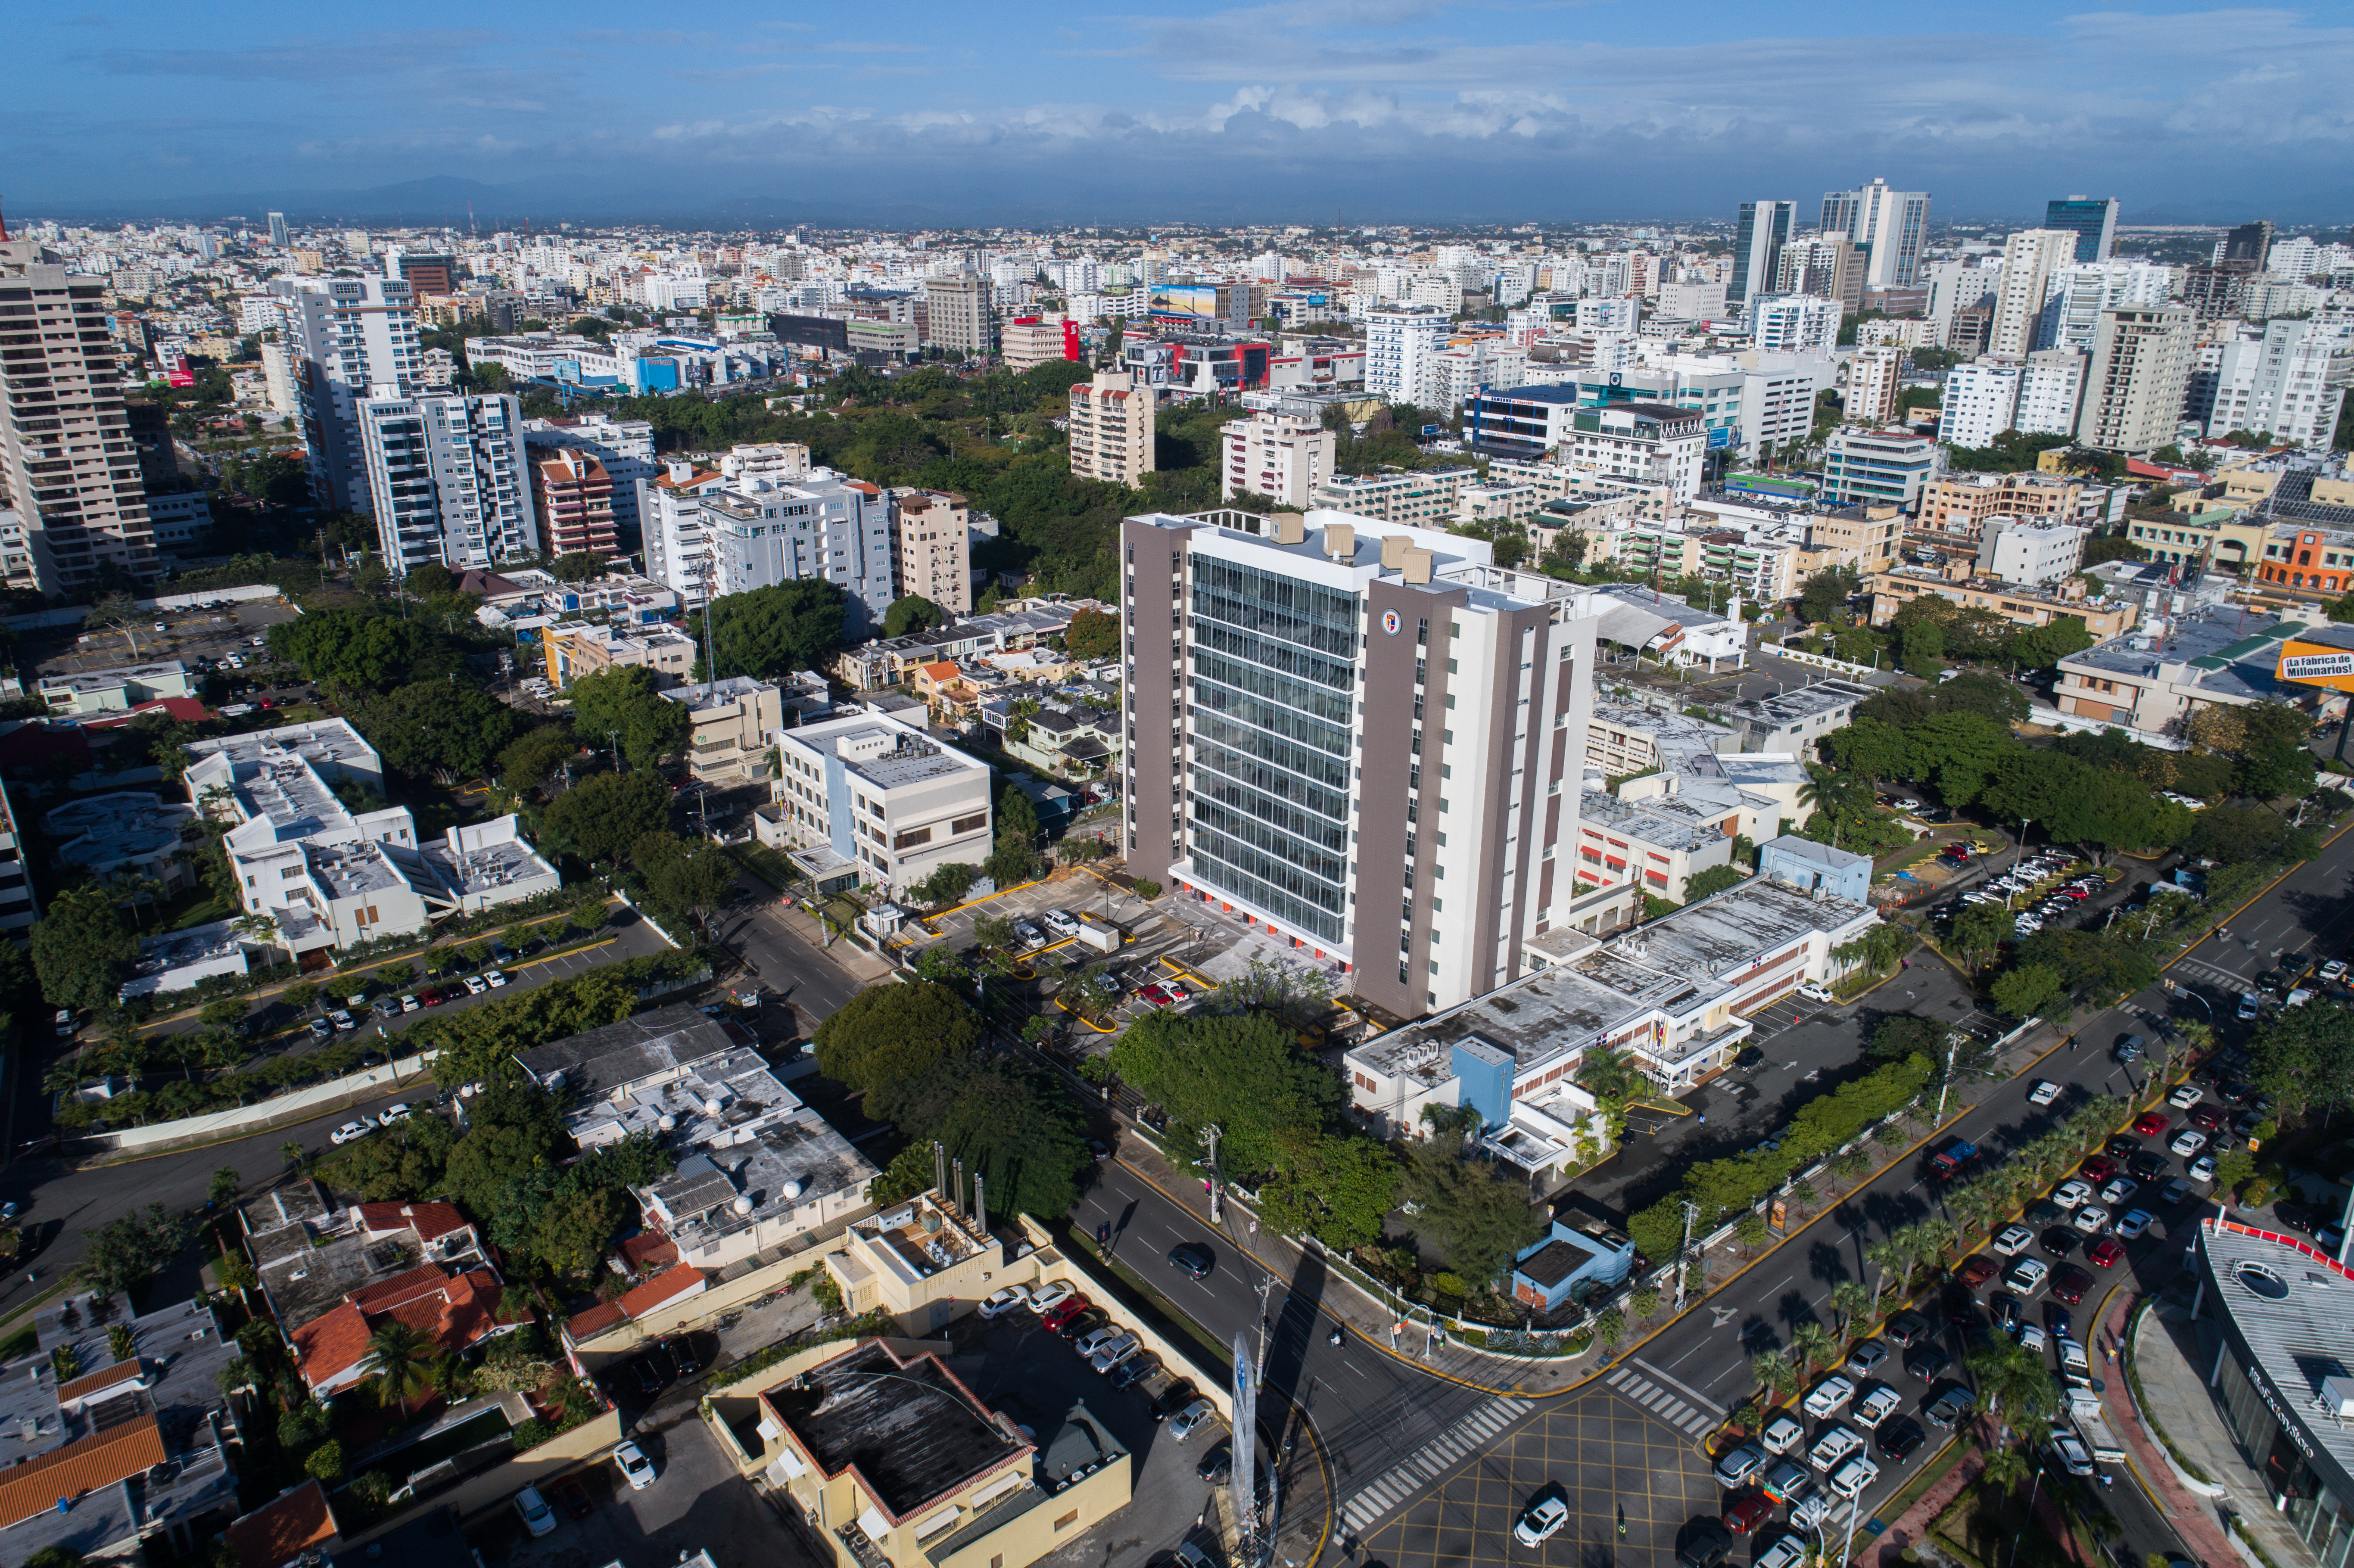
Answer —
575 504
2320 560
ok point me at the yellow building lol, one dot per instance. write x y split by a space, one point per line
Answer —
1892 591
2225 537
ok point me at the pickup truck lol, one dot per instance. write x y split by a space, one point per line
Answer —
1833 1446
1953 1159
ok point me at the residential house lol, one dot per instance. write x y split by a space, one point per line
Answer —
732 719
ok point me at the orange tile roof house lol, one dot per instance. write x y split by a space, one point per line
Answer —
282 1530
453 1307
126 1452
313 1257
665 1289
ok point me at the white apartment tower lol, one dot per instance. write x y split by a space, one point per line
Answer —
2133 394
2030 259
1401 342
1889 226
1283 457
1875 377
1980 401
934 532
68 464
2279 382
1111 428
1366 754
353 338
446 481
1792 324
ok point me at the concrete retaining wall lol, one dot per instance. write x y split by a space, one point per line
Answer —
584 1445
263 1115
1180 1358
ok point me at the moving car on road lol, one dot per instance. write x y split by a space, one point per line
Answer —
350 1130
1539 1519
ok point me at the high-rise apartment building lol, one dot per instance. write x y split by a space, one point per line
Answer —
1980 402
1111 428
935 535
2133 393
1283 457
574 496
278 231
426 273
2080 293
1875 377
1402 344
2092 221
2279 382
69 464
353 338
2250 242
1877 468
2050 393
1828 266
624 448
956 316
1757 240
1889 225
1792 324
445 479
1416 846
825 527
2030 259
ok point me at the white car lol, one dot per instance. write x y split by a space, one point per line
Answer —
2073 1362
2074 1192
2133 1223
1787 1553
1781 1435
2044 1093
1815 990
1833 1446
393 1113
2188 1142
2203 1168
409 1003
2184 1097
2071 1454
1808 1513
2014 1240
2031 1338
1830 1397
1005 1300
2335 969
350 1130
2091 1219
1537 1523
475 985
1192 1419
2028 1274
1047 1300
1059 921
537 1516
1850 1479
1094 1340
494 978
635 1465
1877 1406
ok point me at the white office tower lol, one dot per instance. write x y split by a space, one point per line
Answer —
2079 294
2030 258
2133 394
1364 726
1792 324
1765 227
1401 342
446 480
1980 401
352 336
1283 457
1889 226
2279 382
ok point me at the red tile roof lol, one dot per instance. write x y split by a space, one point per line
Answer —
451 1310
84 1386
278 1532
582 1327
429 1220
649 1249
100 1459
667 1287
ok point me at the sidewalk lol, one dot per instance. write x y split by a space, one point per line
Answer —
2180 1407
1911 1528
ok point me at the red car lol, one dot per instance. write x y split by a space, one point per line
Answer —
1978 1271
2069 1286
2209 1118
2107 1253
2099 1168
1053 1320
1744 1514
573 1496
2152 1125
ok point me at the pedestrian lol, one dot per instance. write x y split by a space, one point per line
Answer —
1703 1119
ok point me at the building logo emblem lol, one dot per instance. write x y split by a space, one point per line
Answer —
1389 621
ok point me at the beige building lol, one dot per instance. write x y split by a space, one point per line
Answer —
934 531
1864 537
2028 259
1111 428
1874 379
1422 496
732 720
1955 507
1283 457
957 315
1892 590
2141 363
1032 341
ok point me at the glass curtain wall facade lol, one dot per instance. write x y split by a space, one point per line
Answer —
1272 672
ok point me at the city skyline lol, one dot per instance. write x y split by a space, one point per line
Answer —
1372 111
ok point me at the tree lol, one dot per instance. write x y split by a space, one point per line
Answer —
364 649
1016 857
694 880
889 1034
123 1253
1335 1188
910 614
1716 879
569 1233
1244 1072
1814 1344
580 567
599 817
1902 1034
1981 929
625 702
772 632
325 1462
2304 1058
1826 591
526 763
1092 635
430 580
432 725
1481 1217
1841 797
80 949
224 1187
1922 646
948 885
120 612
1851 1301
1015 1129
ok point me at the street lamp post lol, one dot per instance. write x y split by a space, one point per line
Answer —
2017 853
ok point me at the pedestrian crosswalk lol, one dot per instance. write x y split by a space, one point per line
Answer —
2207 974
1407 1477
1662 1402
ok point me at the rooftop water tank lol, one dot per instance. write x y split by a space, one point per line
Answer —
667 1122
742 1203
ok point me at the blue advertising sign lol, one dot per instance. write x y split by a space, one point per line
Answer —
1720 437
1430 430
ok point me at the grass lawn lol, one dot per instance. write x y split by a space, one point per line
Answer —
189 908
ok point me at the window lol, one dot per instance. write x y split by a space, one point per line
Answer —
1068 1520
912 838
969 825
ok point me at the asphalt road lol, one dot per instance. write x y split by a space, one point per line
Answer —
779 946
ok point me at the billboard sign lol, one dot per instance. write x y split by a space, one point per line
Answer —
2316 664
1720 437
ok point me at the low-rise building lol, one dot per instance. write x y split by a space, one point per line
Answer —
1881 468
116 690
1863 537
733 719
1955 507
2030 554
1794 721
1422 496
2317 560
2225 656
1668 628
1657 844
1892 590
130 832
1622 740
571 649
880 798
757 1169
1578 1256
2203 535
1811 867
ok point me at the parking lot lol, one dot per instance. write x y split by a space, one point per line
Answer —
188 635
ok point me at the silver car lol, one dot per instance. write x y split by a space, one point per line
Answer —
1740 1465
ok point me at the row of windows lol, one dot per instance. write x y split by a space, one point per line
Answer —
1313 766
1261 682
1272 781
1282 658
1252 806
1291 726
1229 867
1305 614
1325 866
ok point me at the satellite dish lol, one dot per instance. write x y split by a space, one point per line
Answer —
713 1105
667 1122
742 1203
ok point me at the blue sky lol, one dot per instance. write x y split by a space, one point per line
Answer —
1373 109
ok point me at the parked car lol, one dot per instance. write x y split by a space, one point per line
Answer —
2014 1240
2133 1223
1877 1406
2119 1189
2071 1284
2152 1124
2184 1096
2176 1193
350 1130
635 1466
1709 1549
2091 1220
537 1516
1540 1519
494 978
1852 1479
343 1021
1865 1359
1192 1419
2107 1253
476 985
1746 1512
2073 1193
1900 1440
1740 1465
1135 1368
1060 1316
2027 1275
393 1113
1060 922
1951 1407
1815 990
1005 1300
411 1002
1907 1328
322 1030
1927 1362
2203 1168
572 1496
1781 1435
1111 1353
1048 1298
1088 1344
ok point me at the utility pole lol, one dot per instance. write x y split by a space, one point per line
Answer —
615 737
1209 1138
1692 1213
1953 1044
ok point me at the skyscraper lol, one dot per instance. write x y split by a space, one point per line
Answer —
2250 242
957 313
1757 247
446 480
278 231
68 464
2141 363
2030 259
2093 222
1890 226
1827 266
353 338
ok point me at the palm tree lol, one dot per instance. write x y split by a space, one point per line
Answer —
291 1153
1893 1258
1971 1206
1775 1374
1851 1301
402 1360
1814 1343
2005 1468
1838 796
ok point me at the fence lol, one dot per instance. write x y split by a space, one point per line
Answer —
566 1451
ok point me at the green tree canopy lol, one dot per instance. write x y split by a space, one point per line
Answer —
600 817
1245 1071
770 632
1093 635
910 614
626 702
82 949
364 649
889 1035
526 763
580 567
124 1252
446 724
1017 1129
1716 879
1479 1217
1335 1187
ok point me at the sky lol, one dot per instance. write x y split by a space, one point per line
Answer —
1359 110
